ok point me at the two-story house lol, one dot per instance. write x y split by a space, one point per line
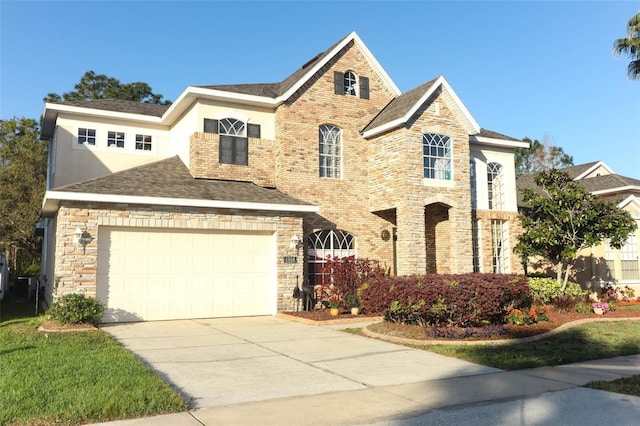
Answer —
601 264
225 201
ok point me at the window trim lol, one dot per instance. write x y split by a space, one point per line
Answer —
448 157
114 142
318 252
496 190
143 142
328 161
87 137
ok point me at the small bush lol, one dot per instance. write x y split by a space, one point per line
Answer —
76 308
583 308
547 290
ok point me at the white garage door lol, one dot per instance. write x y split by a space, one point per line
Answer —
152 274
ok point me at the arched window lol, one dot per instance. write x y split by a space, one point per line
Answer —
495 186
350 83
234 145
436 153
330 151
328 243
232 127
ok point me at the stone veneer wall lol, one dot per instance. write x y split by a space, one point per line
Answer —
343 202
204 161
76 268
396 173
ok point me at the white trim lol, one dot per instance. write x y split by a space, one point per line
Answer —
630 199
483 140
103 113
592 168
440 81
50 203
617 189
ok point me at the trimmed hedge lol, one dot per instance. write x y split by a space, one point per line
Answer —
548 290
467 300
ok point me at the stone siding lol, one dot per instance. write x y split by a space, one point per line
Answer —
76 266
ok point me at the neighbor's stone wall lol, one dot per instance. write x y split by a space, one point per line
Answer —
76 267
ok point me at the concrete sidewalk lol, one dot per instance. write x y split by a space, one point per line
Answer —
385 384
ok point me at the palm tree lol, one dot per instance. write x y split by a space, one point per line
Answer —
630 45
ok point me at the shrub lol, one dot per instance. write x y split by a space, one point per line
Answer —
76 308
527 317
547 290
583 308
445 300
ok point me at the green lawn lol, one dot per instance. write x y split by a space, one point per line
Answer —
72 378
581 343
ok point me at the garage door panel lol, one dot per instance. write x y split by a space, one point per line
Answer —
153 274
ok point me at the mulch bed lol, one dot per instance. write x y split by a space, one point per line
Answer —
509 331
51 326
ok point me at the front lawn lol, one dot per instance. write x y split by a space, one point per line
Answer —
580 343
72 378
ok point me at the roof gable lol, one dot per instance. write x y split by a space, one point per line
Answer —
400 110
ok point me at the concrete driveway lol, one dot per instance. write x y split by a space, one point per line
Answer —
220 362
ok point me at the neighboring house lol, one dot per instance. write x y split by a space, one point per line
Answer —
602 264
225 201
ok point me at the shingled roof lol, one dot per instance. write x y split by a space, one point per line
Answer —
273 90
170 178
399 106
603 183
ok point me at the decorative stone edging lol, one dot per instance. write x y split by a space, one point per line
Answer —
329 322
86 327
404 340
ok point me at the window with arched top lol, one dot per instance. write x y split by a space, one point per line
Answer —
327 244
495 186
350 84
330 149
436 155
232 127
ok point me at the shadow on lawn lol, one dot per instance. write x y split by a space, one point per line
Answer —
581 343
11 310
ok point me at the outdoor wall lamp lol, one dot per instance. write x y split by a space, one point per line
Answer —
81 237
295 243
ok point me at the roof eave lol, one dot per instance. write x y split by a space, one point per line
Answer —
617 189
52 200
483 140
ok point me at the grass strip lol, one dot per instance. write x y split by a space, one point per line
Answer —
74 378
581 343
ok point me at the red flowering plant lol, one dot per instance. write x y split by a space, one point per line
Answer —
334 301
528 316
328 295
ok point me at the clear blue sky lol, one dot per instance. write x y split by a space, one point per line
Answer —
521 68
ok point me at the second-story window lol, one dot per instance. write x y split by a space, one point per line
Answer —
115 139
234 145
330 151
347 83
436 154
143 142
87 136
495 186
350 83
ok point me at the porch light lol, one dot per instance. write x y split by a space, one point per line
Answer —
77 236
295 241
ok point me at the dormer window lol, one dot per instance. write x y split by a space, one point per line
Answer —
347 83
